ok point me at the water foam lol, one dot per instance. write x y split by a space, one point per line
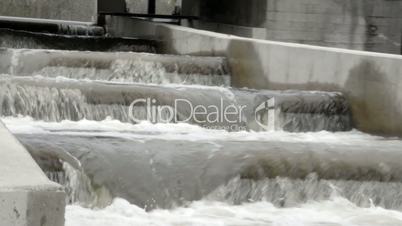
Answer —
336 212
183 131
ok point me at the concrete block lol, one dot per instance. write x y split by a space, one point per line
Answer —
5 60
27 197
32 208
84 10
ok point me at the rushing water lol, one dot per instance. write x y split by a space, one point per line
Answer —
187 175
61 99
117 66
336 212
292 159
31 40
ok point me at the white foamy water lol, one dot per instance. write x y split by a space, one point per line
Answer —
337 212
182 131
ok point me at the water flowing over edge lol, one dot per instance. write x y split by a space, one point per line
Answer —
212 210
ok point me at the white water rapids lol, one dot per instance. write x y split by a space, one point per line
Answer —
336 211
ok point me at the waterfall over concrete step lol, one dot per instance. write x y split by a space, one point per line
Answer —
116 66
154 172
32 40
210 107
66 170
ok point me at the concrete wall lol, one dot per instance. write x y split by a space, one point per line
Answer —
141 6
239 12
371 25
83 10
27 197
137 6
115 6
371 81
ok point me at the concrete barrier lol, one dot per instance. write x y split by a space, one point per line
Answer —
371 25
371 81
27 197
83 10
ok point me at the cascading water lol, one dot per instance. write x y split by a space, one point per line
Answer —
31 40
125 67
285 173
269 159
58 100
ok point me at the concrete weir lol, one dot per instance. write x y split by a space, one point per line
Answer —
27 197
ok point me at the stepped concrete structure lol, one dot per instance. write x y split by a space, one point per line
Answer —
371 81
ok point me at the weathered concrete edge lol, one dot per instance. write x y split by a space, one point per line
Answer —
371 81
27 197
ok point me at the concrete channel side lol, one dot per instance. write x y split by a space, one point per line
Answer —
371 81
27 197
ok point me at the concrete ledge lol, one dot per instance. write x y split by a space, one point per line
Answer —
371 81
27 197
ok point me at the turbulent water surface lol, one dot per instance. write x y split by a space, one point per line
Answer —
336 212
207 177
